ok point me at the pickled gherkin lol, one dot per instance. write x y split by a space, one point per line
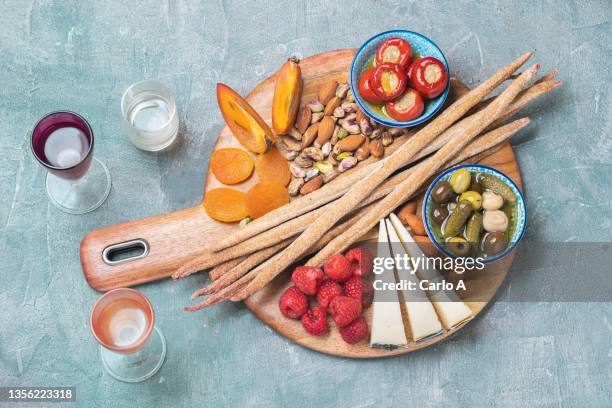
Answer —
497 186
474 228
456 220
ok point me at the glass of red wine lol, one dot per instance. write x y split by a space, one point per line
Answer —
132 348
63 143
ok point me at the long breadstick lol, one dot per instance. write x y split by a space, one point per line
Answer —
476 151
359 192
236 272
298 224
224 267
239 277
523 100
258 257
370 179
476 123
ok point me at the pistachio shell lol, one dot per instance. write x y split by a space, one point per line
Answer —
346 164
324 167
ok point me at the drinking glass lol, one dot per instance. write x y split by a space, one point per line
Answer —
149 114
132 348
63 143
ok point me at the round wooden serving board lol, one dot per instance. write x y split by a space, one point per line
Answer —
316 71
176 238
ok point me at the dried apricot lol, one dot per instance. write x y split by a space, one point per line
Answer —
265 197
272 167
231 165
225 204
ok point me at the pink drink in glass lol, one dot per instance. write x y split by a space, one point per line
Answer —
123 322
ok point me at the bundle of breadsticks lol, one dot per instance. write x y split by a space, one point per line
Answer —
330 219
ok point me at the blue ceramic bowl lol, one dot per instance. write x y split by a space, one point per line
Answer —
519 219
422 47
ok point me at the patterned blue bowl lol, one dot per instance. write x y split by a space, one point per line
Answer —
519 219
421 46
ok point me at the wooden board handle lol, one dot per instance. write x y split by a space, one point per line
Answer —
170 240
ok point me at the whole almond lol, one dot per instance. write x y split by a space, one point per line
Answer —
363 152
349 143
326 128
332 105
303 119
376 148
327 92
312 185
310 135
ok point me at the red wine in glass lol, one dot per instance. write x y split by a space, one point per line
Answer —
63 143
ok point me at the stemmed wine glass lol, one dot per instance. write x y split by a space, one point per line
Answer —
63 143
132 348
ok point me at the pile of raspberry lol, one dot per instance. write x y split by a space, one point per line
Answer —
338 289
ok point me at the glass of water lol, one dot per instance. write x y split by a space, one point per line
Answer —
149 113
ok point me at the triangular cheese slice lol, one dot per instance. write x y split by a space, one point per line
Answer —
451 309
387 325
424 322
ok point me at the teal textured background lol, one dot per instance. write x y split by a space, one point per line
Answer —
81 55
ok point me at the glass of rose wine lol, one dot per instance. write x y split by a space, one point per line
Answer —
132 348
63 143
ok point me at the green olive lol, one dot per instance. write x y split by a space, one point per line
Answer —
473 197
458 246
442 193
494 243
439 215
460 180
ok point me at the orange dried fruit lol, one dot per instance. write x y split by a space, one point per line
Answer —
272 167
245 123
225 204
231 165
287 94
265 197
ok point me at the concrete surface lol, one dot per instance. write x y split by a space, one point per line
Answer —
81 55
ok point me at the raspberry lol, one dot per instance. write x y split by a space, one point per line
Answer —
328 291
338 268
360 289
307 279
344 310
293 303
315 321
355 332
361 261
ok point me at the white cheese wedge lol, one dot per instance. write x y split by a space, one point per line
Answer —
451 309
422 316
387 325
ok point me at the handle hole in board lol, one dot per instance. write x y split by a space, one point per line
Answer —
125 251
